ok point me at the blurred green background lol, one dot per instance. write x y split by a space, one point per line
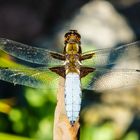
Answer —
27 113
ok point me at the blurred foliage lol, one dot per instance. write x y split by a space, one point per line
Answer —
35 118
12 137
104 131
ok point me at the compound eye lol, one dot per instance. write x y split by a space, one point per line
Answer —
67 37
77 38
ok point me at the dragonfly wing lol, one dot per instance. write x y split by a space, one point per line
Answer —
107 79
36 78
28 53
111 56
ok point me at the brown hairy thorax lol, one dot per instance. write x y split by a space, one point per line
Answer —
72 56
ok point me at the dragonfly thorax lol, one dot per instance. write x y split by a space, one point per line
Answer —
72 48
72 63
72 53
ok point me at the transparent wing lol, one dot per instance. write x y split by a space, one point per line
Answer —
110 56
36 78
107 79
28 53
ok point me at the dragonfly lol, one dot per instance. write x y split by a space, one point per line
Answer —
72 65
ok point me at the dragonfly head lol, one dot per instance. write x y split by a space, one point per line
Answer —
72 41
72 36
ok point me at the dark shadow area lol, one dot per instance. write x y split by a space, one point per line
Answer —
90 97
131 13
